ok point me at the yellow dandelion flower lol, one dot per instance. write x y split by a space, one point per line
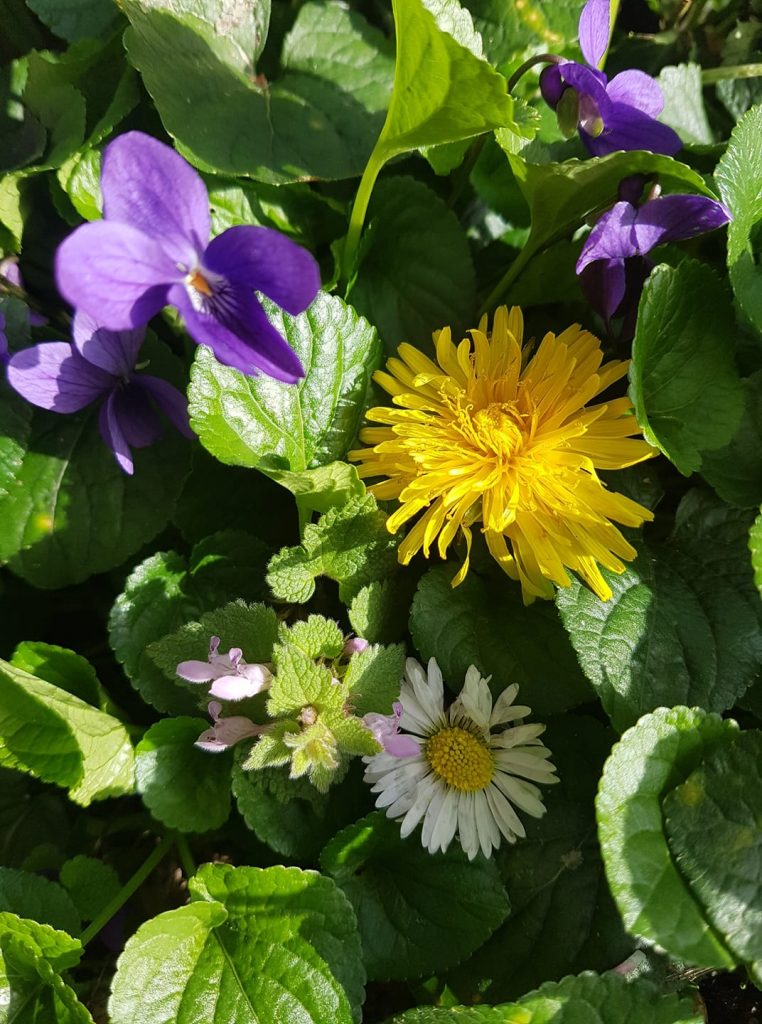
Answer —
498 435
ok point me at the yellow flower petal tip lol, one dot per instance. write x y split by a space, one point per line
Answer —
501 435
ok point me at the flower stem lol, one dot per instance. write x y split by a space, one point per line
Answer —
129 887
539 58
359 210
711 75
185 855
505 281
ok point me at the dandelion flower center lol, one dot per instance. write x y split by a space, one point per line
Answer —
458 757
500 427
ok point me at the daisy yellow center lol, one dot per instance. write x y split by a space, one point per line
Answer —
462 760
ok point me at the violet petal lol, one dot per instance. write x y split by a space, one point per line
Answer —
587 82
629 128
675 218
148 185
267 261
54 376
552 85
400 746
171 402
111 432
603 285
239 334
637 89
594 30
115 273
235 688
137 418
613 236
113 351
195 671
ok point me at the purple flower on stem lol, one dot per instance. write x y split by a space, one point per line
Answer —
226 732
609 115
385 729
152 249
614 264
230 676
99 365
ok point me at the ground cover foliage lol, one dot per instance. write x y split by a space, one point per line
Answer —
227 794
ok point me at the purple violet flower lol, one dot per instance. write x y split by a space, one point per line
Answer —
609 115
385 729
9 269
230 676
152 249
226 732
613 264
65 377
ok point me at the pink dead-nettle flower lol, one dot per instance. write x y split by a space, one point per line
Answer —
230 676
355 646
385 729
226 732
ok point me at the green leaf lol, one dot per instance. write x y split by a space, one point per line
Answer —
653 896
72 511
319 489
60 739
509 30
315 636
61 667
755 546
57 105
319 120
350 545
686 390
684 110
31 990
290 815
396 889
585 999
75 19
299 682
90 883
683 625
735 471
374 677
15 420
242 420
722 798
739 179
562 919
80 179
378 611
38 899
239 28
182 786
562 196
414 269
484 622
255 944
28 817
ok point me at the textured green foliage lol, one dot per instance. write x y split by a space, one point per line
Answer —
316 636
374 677
414 270
755 546
90 883
739 179
396 887
15 420
683 625
653 896
299 681
238 28
509 30
244 420
31 958
585 999
184 787
350 545
684 110
686 390
735 471
248 934
28 817
484 622
61 667
75 19
37 898
318 120
378 611
59 738
72 512
722 798
562 919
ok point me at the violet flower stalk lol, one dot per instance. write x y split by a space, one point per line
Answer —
99 366
152 249
609 115
614 264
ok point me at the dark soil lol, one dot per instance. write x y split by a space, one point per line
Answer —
730 998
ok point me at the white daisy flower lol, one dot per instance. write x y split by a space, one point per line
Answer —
466 778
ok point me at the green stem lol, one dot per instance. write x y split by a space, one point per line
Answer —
185 855
505 282
711 75
463 173
539 58
131 886
360 209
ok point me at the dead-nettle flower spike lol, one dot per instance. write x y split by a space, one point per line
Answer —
231 677
226 732
614 263
472 765
609 115
386 732
152 249
98 366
